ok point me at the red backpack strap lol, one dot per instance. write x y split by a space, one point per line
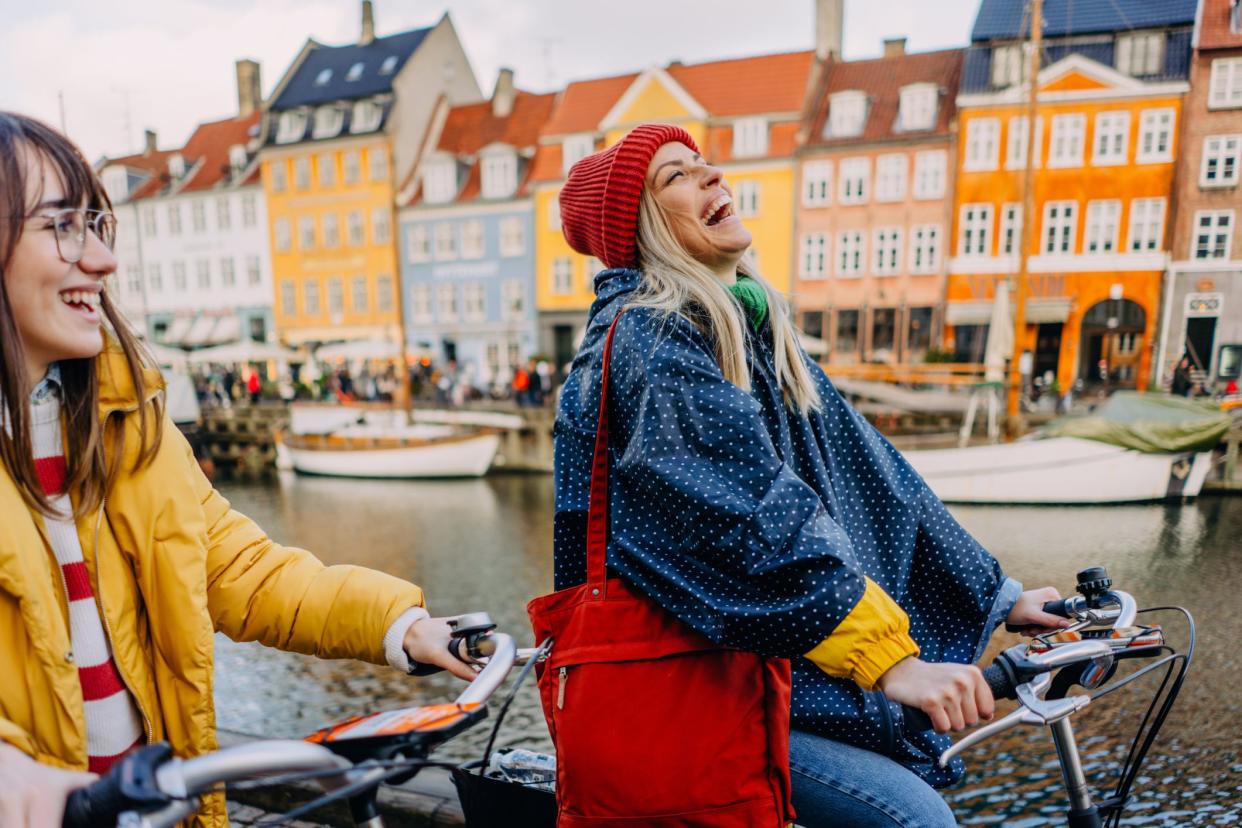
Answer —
597 512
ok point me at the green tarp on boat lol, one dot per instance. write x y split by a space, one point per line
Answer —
1148 422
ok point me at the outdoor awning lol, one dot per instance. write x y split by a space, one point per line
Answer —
968 313
176 332
1038 311
200 331
228 329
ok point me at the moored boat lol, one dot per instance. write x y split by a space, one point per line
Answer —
416 451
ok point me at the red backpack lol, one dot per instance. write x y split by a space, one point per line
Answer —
655 725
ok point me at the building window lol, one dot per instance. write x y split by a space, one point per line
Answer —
1008 65
366 117
917 107
1156 136
198 215
446 242
890 177
919 323
328 121
446 303
851 249
925 248
499 175
280 176
887 251
1235 16
746 198
1213 229
133 280
1146 225
352 167
1225 86
855 173
1011 229
377 157
306 233
1015 146
310 296
472 239
1060 225
1221 157
847 114
284 235
288 297
224 213
976 234
420 303
1068 137
513 299
512 236
883 330
327 169
562 276
174 219
1141 53
254 271
358 294
148 222
381 226
228 273
301 173
750 137
573 149
336 295
354 231
155 279
291 126
355 72
250 210
1112 138
593 266
331 230
813 323
475 301
554 213
847 332
383 293
417 244
440 182
814 256
1103 219
929 174
816 183
982 144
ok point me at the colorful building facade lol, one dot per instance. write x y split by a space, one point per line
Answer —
1109 111
875 184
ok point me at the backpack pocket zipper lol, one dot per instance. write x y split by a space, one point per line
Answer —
561 677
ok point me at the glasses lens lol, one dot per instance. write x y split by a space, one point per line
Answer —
70 234
105 228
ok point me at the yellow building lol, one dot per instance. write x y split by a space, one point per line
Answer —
342 129
743 113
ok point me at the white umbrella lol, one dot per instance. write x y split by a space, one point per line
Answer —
1000 336
358 349
243 351
172 357
813 345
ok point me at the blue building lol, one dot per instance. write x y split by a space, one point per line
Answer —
467 243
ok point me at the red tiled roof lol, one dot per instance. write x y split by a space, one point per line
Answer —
1214 31
583 104
747 86
471 127
210 145
882 79
154 164
782 141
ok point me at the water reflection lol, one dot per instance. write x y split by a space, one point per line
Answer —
485 544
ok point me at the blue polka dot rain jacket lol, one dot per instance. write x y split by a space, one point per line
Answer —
759 527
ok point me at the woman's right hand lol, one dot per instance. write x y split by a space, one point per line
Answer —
954 696
32 794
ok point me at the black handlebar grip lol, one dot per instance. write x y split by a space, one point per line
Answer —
99 803
1058 608
1000 680
916 720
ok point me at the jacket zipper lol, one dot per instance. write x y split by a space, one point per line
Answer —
146 721
562 680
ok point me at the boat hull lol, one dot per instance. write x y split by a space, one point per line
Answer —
1062 470
466 457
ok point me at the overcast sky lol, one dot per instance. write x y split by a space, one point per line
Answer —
122 66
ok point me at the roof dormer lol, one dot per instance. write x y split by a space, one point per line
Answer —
847 114
176 166
918 107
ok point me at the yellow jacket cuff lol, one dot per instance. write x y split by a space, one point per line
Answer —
868 641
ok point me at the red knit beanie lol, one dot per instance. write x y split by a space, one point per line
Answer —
599 203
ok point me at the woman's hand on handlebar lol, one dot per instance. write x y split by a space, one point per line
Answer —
32 794
954 696
1028 612
427 642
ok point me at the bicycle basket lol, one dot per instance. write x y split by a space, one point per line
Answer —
488 802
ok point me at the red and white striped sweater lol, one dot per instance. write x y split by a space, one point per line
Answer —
113 722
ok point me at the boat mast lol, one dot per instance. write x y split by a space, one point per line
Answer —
1029 235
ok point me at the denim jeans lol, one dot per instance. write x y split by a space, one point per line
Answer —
835 784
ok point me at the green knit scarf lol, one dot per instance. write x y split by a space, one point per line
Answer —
754 299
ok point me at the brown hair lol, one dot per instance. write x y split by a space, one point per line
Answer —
91 467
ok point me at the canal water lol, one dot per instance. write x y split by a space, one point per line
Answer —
486 544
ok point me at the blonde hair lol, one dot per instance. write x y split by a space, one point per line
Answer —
674 282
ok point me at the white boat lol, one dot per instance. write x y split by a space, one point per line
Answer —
412 451
1059 470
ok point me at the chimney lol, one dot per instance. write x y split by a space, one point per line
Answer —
502 96
368 23
249 89
829 28
894 46
149 142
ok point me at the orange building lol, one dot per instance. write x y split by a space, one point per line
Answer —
1105 143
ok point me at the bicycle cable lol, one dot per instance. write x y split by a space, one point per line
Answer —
538 656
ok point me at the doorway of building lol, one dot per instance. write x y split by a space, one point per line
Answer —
1112 343
1200 341
1047 350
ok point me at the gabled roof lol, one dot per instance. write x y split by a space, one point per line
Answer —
152 166
1214 31
207 152
1009 18
583 104
303 89
882 79
747 86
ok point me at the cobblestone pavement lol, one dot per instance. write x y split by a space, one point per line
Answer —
244 815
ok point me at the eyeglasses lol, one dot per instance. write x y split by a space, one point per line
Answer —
71 226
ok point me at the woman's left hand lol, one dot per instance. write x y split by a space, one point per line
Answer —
426 641
1028 612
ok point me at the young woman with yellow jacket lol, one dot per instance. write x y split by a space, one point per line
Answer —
118 560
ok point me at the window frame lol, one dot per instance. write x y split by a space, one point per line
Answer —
892 171
1222 159
1059 230
982 134
853 170
1155 155
1109 126
975 223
